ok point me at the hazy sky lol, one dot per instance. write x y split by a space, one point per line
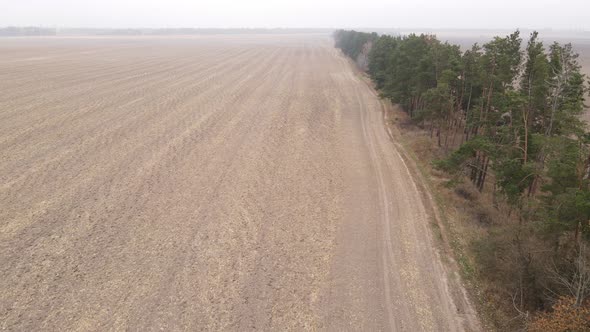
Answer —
563 14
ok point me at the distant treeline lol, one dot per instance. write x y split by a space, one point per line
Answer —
26 31
356 45
506 116
37 31
352 43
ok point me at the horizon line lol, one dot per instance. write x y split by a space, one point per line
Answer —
297 28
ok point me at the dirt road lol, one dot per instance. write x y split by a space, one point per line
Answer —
207 183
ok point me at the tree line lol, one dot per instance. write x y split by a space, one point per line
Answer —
26 31
13 31
506 116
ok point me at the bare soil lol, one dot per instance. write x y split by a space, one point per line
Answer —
208 183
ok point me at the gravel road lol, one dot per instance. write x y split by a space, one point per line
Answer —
208 183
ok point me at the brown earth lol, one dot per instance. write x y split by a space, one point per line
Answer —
208 183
